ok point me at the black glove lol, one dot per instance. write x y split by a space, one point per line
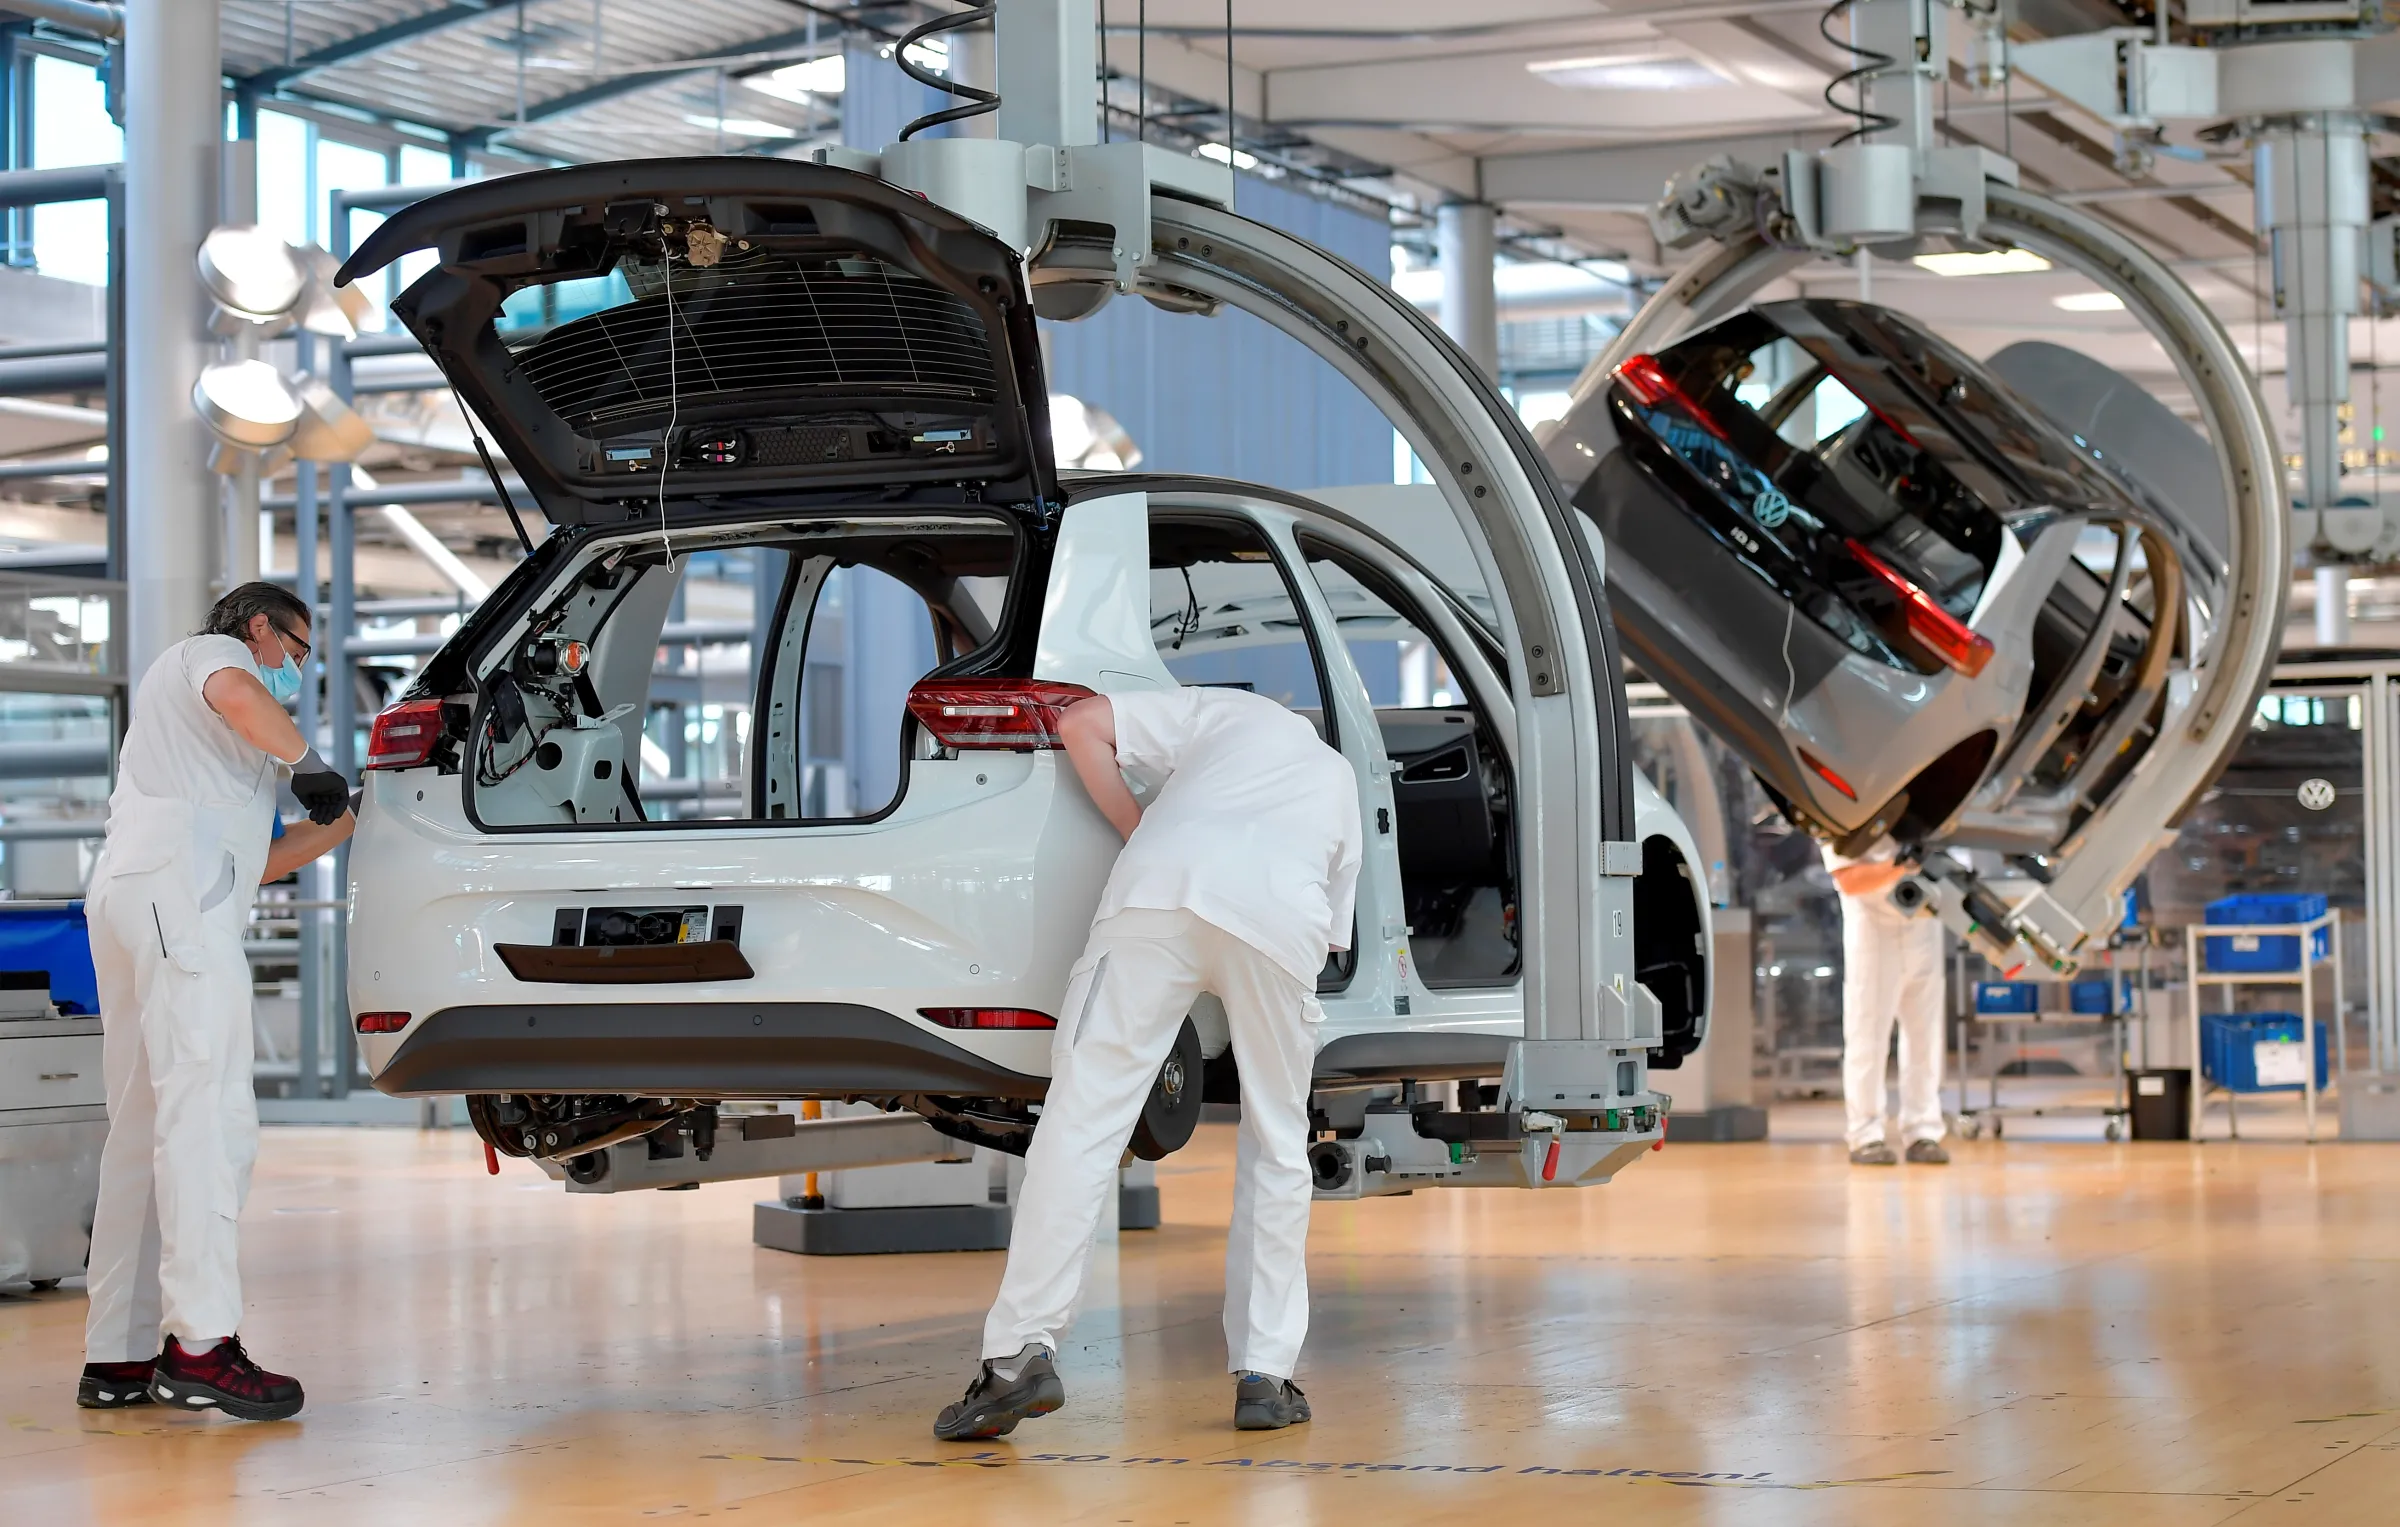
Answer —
324 794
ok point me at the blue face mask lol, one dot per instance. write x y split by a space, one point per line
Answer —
283 683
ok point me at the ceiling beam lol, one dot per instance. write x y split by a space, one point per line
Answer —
1625 177
657 74
359 45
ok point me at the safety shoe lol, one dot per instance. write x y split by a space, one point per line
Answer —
1928 1153
113 1386
1875 1154
223 1378
1265 1404
1006 1390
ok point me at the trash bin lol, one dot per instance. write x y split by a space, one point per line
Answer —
2162 1104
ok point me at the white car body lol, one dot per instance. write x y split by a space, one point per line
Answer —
792 361
975 891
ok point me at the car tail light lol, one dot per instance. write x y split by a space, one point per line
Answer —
382 1023
1647 380
1827 774
1020 714
405 735
1949 637
988 1017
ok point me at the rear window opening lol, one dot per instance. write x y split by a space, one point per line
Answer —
722 326
766 359
1224 611
649 691
1808 450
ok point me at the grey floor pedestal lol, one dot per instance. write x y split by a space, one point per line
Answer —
879 1232
1717 1126
1137 1208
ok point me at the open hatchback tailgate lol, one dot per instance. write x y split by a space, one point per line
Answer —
654 336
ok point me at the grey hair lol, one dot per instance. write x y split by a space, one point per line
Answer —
231 615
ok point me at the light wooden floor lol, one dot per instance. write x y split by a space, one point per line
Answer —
2044 1333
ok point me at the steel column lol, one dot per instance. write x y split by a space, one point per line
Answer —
1467 235
2383 876
341 686
313 879
174 121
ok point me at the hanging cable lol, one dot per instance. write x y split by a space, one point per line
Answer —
979 100
1233 181
1873 63
2374 387
666 439
2008 89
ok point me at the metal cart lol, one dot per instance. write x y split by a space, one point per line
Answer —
2304 978
2054 1009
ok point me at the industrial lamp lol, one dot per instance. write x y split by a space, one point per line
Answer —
263 286
248 404
252 409
251 275
259 281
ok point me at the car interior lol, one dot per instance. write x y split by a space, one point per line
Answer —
1835 466
583 720
1451 791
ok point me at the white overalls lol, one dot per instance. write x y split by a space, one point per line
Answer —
1241 875
188 827
1891 978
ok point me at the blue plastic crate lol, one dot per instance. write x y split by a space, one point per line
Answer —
52 938
2094 997
2262 953
2007 997
2229 1049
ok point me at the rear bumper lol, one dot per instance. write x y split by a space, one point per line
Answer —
680 1049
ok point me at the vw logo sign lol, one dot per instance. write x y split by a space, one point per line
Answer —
2316 794
1770 508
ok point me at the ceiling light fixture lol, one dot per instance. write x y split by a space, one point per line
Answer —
744 127
2089 302
1629 71
1240 159
1985 262
797 82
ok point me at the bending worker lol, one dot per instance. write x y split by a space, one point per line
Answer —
189 826
1237 880
1891 978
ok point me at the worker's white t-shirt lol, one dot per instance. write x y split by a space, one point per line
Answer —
1254 829
187 783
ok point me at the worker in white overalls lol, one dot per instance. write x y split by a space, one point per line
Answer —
189 827
1238 879
1891 978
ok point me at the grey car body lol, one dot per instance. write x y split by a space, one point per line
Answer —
1917 603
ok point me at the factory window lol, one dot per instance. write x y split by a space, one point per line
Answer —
70 127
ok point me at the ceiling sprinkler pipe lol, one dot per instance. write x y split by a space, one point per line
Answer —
93 20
